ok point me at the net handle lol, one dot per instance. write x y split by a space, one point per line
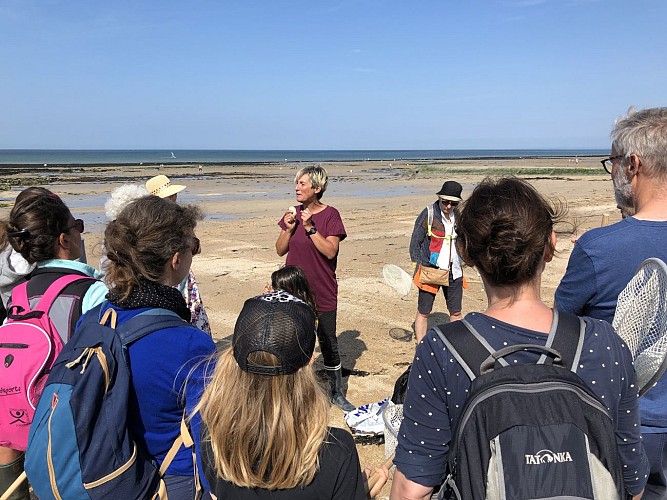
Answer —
653 260
661 268
375 476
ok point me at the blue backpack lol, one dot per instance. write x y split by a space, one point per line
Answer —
80 445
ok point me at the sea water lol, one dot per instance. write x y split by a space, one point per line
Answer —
179 156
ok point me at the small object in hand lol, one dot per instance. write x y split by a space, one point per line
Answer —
292 210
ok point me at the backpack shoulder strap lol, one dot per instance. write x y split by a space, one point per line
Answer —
467 346
146 323
429 219
568 338
20 296
184 439
20 292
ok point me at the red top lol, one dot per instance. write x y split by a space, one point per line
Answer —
320 271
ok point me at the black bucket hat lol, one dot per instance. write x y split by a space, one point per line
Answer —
451 190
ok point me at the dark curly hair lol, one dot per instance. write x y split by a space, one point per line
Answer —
504 228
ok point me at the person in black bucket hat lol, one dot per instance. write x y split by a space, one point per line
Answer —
433 252
265 416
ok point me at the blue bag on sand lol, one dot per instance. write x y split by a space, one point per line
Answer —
80 446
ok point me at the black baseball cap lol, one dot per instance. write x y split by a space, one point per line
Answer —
278 323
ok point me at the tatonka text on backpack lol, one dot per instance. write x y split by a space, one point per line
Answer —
530 431
29 344
80 446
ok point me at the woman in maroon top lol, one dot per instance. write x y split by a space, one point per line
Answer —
310 235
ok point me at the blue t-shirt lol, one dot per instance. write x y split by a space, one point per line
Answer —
438 387
168 376
602 263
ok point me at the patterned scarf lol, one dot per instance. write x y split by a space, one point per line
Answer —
151 294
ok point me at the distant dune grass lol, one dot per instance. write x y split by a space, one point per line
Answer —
505 170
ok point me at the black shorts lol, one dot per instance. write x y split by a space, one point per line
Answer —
453 296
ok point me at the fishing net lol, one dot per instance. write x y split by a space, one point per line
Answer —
392 415
397 278
641 321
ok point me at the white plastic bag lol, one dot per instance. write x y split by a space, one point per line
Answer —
366 420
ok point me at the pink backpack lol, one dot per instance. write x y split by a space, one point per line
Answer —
29 344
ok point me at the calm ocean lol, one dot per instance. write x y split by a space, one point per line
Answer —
151 156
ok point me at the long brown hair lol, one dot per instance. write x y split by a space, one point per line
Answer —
292 279
265 431
144 236
36 221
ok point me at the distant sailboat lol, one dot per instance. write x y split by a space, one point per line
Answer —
173 155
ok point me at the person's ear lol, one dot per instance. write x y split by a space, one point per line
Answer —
60 244
176 261
549 249
64 243
634 164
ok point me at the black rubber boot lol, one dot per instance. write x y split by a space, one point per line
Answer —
8 473
337 396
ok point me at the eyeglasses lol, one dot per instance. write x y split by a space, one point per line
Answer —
608 163
78 225
449 202
196 246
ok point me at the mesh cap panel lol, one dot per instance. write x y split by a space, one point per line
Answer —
277 323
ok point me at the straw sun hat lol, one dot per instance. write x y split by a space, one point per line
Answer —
161 186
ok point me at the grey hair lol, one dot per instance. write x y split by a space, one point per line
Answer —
121 197
318 177
643 133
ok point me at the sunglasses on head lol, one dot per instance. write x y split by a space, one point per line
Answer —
449 202
78 225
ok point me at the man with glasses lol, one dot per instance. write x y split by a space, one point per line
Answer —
432 247
605 259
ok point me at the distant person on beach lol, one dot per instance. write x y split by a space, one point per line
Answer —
265 418
604 259
433 248
161 186
506 231
42 230
310 234
150 246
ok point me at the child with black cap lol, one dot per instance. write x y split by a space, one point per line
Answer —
265 416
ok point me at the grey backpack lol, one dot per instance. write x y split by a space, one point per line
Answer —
531 431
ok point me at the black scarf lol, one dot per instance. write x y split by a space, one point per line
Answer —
151 294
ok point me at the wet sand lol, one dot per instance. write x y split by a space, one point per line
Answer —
378 203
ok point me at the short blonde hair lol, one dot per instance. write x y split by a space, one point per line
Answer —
318 178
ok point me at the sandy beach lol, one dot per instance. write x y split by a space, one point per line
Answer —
378 200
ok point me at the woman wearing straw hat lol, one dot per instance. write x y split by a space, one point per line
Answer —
161 186
433 248
267 434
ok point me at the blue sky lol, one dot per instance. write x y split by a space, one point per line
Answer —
309 74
